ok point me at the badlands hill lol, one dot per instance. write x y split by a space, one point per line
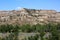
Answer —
29 16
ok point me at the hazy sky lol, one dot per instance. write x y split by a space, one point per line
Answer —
35 4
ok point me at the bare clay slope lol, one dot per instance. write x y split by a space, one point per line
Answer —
29 16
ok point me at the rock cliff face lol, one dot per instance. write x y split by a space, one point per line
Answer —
29 16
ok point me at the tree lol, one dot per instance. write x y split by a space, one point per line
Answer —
54 32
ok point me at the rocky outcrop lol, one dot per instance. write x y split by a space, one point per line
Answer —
29 16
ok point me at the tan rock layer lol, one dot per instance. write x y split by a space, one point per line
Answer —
29 16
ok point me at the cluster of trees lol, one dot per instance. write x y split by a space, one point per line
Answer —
24 28
52 28
8 28
12 29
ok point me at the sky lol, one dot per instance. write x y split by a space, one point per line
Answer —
32 4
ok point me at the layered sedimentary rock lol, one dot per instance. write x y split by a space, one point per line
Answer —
29 16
